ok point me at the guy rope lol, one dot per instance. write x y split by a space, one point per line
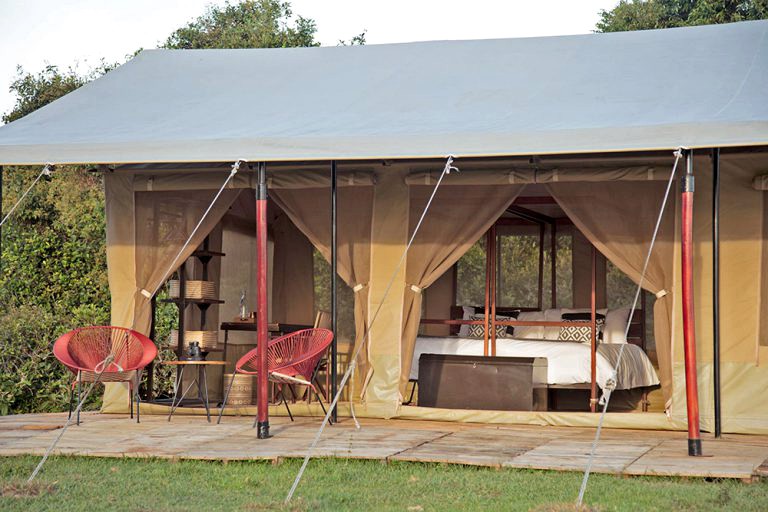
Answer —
47 171
610 384
116 348
446 170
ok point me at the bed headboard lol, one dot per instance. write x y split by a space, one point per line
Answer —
636 327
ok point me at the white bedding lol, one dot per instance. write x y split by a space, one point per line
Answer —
567 363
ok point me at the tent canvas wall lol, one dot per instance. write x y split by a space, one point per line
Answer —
380 106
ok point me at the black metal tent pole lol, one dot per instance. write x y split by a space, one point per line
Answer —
334 309
716 284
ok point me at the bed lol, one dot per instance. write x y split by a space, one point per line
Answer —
568 362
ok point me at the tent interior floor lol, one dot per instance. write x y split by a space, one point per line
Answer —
625 452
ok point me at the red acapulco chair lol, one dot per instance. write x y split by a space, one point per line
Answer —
83 351
291 359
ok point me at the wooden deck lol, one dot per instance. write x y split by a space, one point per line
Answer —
626 452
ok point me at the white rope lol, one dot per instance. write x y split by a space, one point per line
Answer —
174 264
446 170
352 402
104 364
45 172
611 383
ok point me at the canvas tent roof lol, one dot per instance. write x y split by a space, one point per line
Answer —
659 89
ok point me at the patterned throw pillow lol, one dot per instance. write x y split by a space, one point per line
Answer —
506 315
478 331
586 316
581 333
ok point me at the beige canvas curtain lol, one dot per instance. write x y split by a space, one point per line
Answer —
145 231
310 210
618 218
164 222
293 274
457 218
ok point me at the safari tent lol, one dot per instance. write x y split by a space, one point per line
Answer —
569 136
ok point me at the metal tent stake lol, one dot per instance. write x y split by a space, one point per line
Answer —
689 330
262 398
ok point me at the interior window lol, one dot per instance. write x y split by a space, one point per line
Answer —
620 289
470 276
345 298
620 293
518 271
563 271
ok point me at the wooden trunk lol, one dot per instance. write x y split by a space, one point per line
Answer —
478 382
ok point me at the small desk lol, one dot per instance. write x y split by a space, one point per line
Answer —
272 327
200 380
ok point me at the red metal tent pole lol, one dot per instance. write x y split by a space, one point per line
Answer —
262 407
689 331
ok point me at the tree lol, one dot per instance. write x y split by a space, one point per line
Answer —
357 40
650 14
250 24
35 91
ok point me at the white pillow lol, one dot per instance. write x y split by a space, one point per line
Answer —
464 329
616 325
524 332
552 315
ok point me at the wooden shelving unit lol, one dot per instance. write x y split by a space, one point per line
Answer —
204 255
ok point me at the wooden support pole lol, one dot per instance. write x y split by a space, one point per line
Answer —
488 264
689 330
542 229
553 242
262 317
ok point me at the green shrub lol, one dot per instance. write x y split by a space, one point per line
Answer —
53 279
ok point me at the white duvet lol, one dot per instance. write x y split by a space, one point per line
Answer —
567 362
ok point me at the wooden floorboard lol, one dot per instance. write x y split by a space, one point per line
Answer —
611 456
723 459
628 452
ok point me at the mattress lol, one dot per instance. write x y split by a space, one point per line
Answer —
567 362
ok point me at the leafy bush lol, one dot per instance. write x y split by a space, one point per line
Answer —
53 279
30 378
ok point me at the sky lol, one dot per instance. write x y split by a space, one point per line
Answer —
80 33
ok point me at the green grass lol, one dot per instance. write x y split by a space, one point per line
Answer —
74 483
